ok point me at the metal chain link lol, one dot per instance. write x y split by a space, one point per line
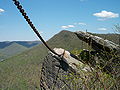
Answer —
24 14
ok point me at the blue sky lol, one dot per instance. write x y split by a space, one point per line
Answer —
53 16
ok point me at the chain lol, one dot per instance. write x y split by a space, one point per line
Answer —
24 14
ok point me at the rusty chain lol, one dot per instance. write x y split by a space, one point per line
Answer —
24 14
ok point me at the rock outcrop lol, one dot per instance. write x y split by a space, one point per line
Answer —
57 71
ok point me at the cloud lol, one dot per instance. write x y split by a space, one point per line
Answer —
64 27
1 10
102 29
71 26
68 26
104 15
74 25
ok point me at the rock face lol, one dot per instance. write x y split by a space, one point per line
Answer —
53 68
98 43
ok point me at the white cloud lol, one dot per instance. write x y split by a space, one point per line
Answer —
64 27
1 10
68 26
105 15
71 26
102 29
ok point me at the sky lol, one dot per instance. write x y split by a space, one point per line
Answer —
52 16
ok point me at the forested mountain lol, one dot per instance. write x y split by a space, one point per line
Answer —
23 71
27 44
8 49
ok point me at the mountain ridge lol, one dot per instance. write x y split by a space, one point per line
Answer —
11 50
27 44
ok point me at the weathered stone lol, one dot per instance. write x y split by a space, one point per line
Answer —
52 68
99 44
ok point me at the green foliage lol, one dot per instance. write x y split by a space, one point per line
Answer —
76 51
94 79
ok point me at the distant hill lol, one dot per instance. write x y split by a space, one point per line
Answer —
12 50
23 71
8 49
4 44
27 44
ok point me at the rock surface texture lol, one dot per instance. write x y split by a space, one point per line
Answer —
53 72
